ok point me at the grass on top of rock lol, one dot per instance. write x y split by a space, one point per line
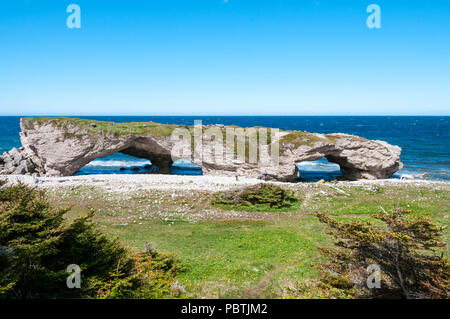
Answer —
102 127
296 139
261 197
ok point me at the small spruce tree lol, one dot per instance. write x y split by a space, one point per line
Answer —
405 248
37 244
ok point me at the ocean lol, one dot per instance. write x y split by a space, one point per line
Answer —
425 140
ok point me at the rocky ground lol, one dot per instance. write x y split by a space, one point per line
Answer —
166 197
135 182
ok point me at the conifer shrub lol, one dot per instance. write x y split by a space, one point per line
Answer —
37 244
152 276
407 249
261 197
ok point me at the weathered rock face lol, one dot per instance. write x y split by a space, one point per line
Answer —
16 162
62 146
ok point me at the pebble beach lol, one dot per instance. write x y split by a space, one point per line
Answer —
135 182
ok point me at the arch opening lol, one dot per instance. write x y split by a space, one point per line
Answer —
185 167
122 163
314 171
118 163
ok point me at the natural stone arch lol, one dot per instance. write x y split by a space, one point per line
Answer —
318 173
65 152
145 148
62 146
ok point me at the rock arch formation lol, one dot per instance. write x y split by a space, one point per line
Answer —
62 146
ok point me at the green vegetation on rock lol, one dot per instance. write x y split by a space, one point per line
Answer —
296 139
94 127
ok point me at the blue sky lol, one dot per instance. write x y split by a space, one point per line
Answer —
252 57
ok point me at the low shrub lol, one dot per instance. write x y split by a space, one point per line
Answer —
37 244
261 197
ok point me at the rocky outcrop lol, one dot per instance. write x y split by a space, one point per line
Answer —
62 146
16 162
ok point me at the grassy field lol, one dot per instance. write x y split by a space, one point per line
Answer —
236 254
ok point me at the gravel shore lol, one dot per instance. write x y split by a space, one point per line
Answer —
133 182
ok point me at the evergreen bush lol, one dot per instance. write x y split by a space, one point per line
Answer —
258 197
37 244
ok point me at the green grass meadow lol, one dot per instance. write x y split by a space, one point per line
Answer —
258 255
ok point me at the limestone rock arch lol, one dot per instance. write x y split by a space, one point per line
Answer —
62 146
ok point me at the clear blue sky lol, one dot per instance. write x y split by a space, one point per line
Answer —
254 57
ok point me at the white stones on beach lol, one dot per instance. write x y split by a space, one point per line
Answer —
174 183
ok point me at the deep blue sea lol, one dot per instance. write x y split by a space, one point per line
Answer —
425 140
